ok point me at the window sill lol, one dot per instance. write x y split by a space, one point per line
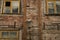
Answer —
11 14
52 14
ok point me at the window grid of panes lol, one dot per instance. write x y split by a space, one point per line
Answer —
8 35
53 6
9 6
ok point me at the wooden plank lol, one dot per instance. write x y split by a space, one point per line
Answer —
24 36
39 18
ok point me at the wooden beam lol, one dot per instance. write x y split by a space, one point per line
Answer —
24 34
39 17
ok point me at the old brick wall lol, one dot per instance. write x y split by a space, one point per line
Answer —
10 19
32 15
51 24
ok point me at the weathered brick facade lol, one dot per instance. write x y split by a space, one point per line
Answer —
9 20
51 24
32 18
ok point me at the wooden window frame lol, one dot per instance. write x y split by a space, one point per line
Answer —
17 36
4 3
54 2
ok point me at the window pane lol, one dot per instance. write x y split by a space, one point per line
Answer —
4 34
15 5
58 6
15 10
13 34
51 10
0 9
7 4
50 4
1 4
51 7
7 10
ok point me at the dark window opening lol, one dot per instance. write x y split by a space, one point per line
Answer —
15 10
7 4
58 8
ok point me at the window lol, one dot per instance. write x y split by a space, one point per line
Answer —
10 6
4 34
15 6
1 4
9 35
7 10
58 6
53 6
7 4
13 34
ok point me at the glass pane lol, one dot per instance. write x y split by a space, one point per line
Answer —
50 4
1 4
13 34
7 4
7 10
51 10
5 34
58 6
15 10
15 5
0 9
51 7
